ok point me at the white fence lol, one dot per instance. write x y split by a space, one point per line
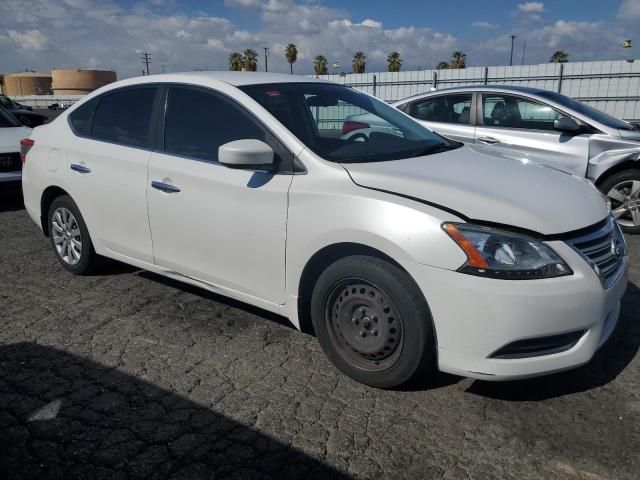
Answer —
43 101
613 87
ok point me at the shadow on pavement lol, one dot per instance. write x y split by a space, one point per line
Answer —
63 416
603 368
11 197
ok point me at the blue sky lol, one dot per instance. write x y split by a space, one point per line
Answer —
188 34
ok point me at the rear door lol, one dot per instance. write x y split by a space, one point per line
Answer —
450 115
107 168
523 128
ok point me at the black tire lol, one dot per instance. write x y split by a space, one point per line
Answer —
615 179
88 259
373 322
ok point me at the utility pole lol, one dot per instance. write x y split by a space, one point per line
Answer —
146 60
524 47
513 37
266 54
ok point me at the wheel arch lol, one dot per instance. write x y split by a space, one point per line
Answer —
48 196
626 165
318 262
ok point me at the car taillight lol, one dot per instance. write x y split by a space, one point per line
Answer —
25 146
350 126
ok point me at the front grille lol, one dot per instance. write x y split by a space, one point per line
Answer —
603 248
10 162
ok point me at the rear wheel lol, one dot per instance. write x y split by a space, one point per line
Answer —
373 322
70 238
623 190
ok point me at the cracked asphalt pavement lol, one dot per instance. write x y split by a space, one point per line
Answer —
128 375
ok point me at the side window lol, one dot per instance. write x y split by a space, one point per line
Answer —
197 123
124 117
81 117
444 108
516 112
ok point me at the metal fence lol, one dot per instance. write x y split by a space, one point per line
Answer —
613 87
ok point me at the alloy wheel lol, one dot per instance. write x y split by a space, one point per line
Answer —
625 202
66 236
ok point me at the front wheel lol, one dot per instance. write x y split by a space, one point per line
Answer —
623 191
372 322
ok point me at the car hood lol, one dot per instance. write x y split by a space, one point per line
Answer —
630 134
489 188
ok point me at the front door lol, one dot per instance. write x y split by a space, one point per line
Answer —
216 224
523 128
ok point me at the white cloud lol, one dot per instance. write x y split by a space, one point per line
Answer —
485 25
371 23
629 9
531 7
30 41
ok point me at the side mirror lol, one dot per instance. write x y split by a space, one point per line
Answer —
566 124
248 154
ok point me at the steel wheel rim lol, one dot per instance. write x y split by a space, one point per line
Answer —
625 202
67 238
365 326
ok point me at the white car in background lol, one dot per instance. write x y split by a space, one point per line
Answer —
11 133
403 253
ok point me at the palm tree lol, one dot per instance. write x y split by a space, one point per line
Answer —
458 60
235 62
442 66
559 56
359 63
250 60
291 52
394 62
320 65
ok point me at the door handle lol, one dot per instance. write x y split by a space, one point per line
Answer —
165 187
488 140
80 168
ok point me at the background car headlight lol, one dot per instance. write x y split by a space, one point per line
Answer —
502 254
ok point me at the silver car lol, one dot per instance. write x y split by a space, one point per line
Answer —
544 126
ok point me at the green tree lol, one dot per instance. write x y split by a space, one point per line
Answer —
458 60
291 52
394 62
559 56
442 65
250 60
359 62
320 65
236 62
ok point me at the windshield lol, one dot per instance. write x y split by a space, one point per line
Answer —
6 102
344 125
597 115
8 120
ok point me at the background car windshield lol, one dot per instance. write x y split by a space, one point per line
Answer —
8 120
344 125
585 109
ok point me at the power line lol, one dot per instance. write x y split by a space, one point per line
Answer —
146 60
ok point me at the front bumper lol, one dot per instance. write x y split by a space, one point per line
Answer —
474 317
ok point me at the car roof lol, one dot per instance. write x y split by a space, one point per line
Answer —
233 78
478 88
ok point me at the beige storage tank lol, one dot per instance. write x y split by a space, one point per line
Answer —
26 83
79 82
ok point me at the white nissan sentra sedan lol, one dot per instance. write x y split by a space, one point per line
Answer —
404 253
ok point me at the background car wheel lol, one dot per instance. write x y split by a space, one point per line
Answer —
373 322
70 238
623 190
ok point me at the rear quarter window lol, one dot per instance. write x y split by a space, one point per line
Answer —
80 118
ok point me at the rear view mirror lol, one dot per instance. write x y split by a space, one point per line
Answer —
249 154
566 124
322 101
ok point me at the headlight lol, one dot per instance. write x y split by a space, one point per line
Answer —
502 254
